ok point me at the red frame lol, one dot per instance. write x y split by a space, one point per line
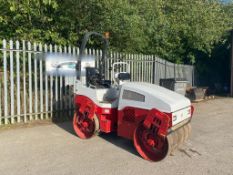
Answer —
125 121
107 116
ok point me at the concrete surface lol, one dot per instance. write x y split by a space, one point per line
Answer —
54 149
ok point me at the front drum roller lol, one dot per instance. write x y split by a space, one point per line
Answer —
85 121
85 127
155 148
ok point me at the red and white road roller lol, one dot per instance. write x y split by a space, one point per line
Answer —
156 119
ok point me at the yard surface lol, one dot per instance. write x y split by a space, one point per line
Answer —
54 149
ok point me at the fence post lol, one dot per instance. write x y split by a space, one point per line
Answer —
5 84
136 57
51 86
24 83
41 85
60 89
35 82
30 79
165 69
154 71
46 88
174 71
12 82
56 87
67 84
18 81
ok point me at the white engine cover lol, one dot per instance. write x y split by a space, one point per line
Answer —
154 97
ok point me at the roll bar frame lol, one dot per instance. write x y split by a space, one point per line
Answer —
104 49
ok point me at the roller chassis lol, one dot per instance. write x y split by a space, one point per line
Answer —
150 125
156 119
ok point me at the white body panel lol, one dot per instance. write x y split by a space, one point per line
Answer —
106 98
181 115
155 97
152 96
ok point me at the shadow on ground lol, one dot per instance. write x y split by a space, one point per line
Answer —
110 137
120 142
67 126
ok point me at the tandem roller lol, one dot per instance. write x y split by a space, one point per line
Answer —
157 120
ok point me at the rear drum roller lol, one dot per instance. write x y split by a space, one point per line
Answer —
153 147
85 127
148 145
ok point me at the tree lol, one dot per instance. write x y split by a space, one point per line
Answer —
175 30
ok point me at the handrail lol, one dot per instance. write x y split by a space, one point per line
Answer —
104 49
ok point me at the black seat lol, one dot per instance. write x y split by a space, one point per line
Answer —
124 76
95 79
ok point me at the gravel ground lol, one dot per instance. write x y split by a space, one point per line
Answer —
54 149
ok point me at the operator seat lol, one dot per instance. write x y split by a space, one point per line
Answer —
95 79
122 77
